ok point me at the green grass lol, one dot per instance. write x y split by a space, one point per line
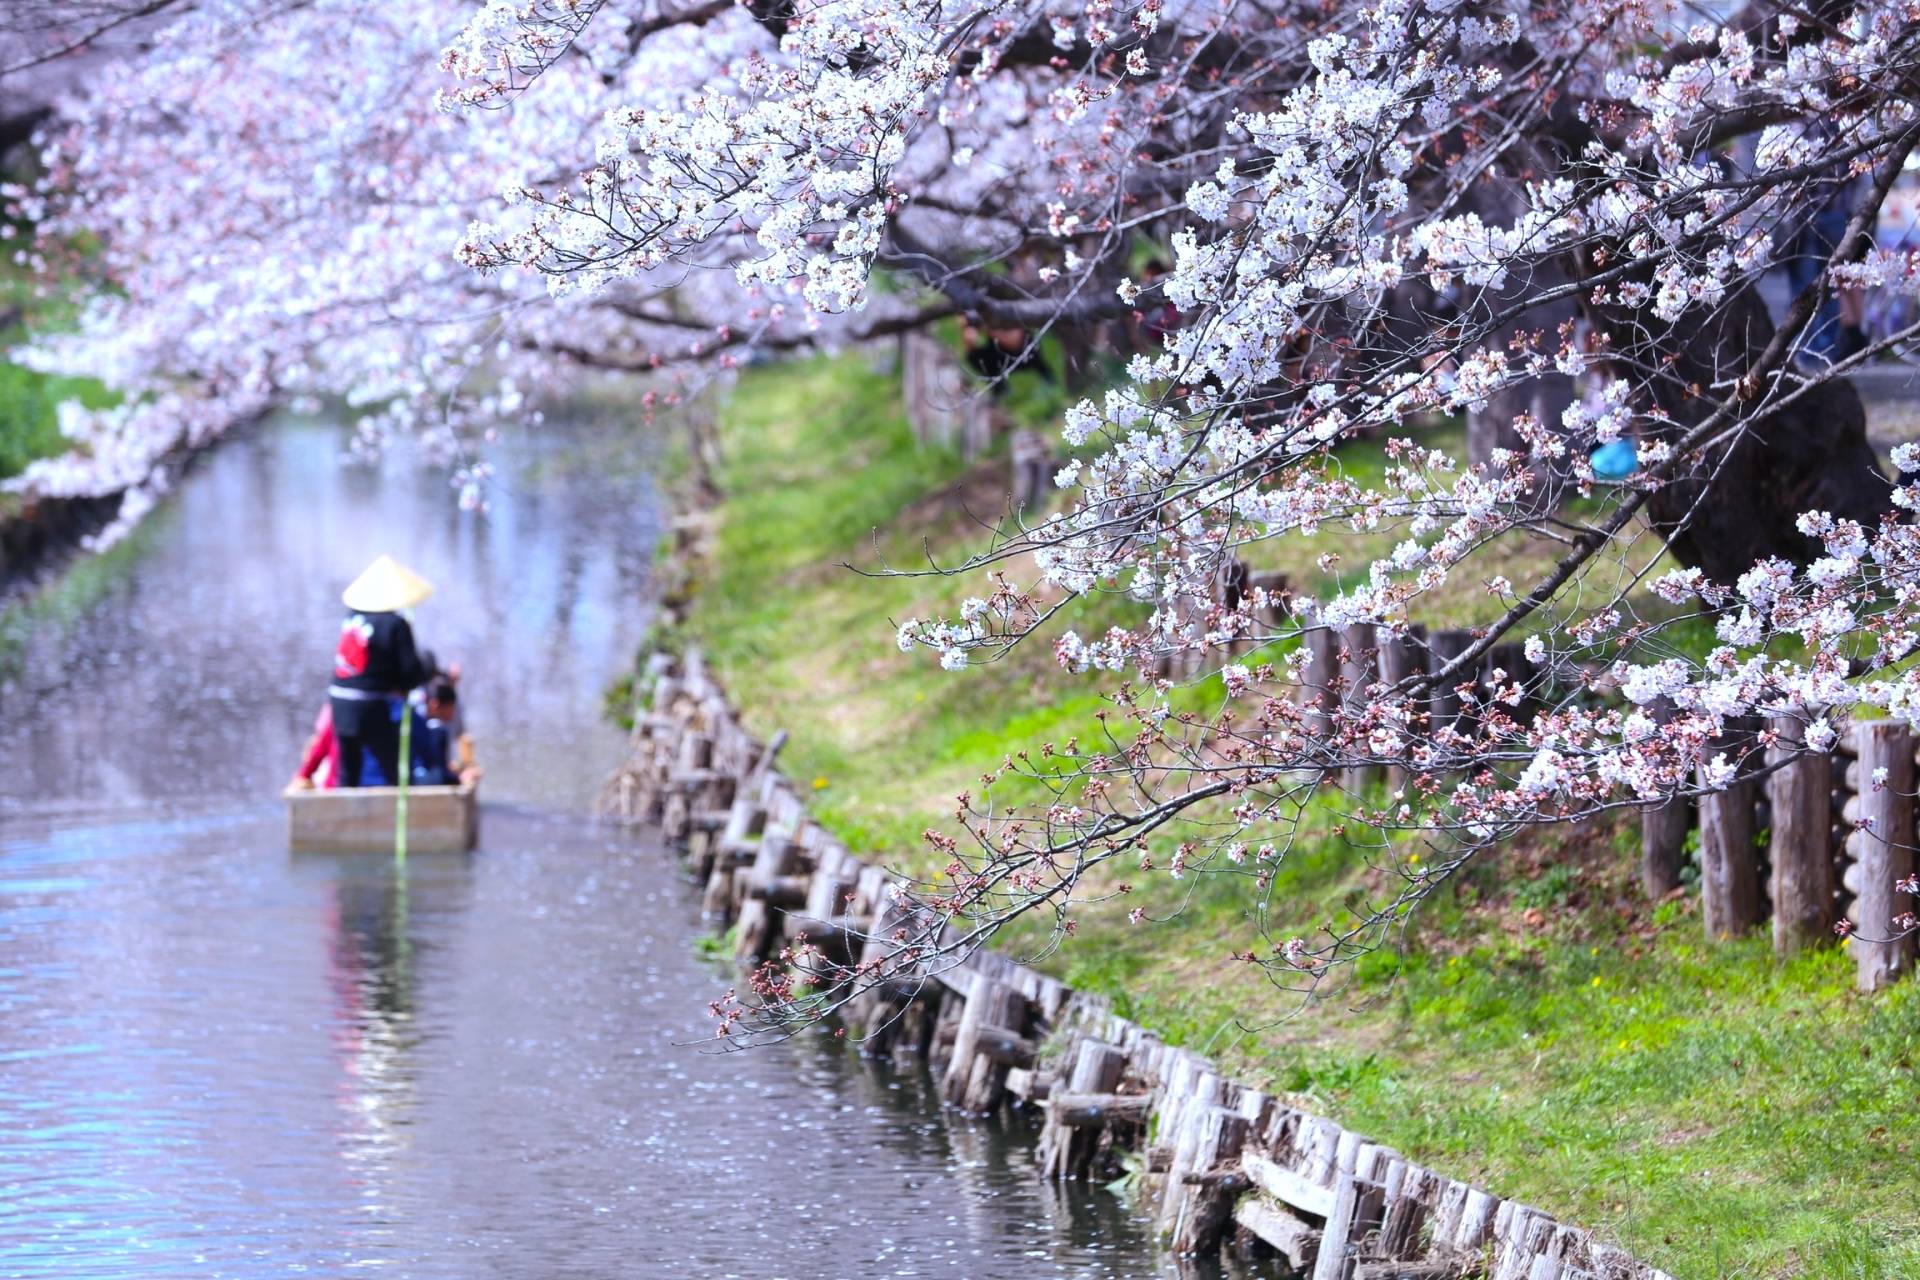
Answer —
818 458
29 400
1545 1030
29 422
1714 1112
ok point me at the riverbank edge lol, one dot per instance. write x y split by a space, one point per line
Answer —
1215 1162
43 532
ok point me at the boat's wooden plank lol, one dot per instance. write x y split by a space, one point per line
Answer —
351 819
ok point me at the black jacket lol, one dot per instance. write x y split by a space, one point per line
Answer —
376 653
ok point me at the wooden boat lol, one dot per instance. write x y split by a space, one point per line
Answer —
361 819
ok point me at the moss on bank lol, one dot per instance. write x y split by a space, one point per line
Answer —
1546 1029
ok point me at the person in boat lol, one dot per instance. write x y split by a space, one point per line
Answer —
320 758
434 736
320 761
435 674
374 661
439 755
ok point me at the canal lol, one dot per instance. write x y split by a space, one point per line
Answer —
218 1059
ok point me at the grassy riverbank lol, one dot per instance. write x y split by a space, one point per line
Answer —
29 400
1546 1030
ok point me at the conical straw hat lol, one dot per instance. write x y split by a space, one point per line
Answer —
386 586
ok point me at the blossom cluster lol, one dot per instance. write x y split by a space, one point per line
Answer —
271 204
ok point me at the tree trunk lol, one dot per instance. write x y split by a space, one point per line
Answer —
1737 500
1663 832
1546 397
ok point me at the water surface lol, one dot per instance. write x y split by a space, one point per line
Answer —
218 1059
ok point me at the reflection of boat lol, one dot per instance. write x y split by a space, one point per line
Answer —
358 819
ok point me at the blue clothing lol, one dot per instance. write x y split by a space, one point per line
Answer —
372 772
1615 461
1812 250
432 743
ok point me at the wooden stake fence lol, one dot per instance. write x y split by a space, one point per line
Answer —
1220 1163
1838 845
1878 850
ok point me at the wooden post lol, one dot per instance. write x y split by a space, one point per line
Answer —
1316 682
1186 1089
1882 849
1180 1132
973 1080
823 911
1067 1151
937 398
948 1007
1800 790
1230 584
1663 832
1274 612
1729 866
1443 700
1032 465
745 819
1357 673
717 903
694 755
910 1040
1449 1205
1407 1188
1663 843
979 417
1202 1210
1371 1208
757 927
1331 1264
404 766
1511 661
877 1009
1477 1209
1402 657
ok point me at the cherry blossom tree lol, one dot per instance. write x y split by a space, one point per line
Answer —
267 200
1556 221
1377 214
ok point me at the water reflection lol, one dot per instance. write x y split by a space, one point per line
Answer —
220 1060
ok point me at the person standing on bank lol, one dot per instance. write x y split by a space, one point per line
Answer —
375 659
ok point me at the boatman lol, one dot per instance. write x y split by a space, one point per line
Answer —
376 659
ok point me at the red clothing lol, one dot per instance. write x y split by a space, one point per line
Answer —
323 745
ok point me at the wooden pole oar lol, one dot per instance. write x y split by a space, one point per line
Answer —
406 775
